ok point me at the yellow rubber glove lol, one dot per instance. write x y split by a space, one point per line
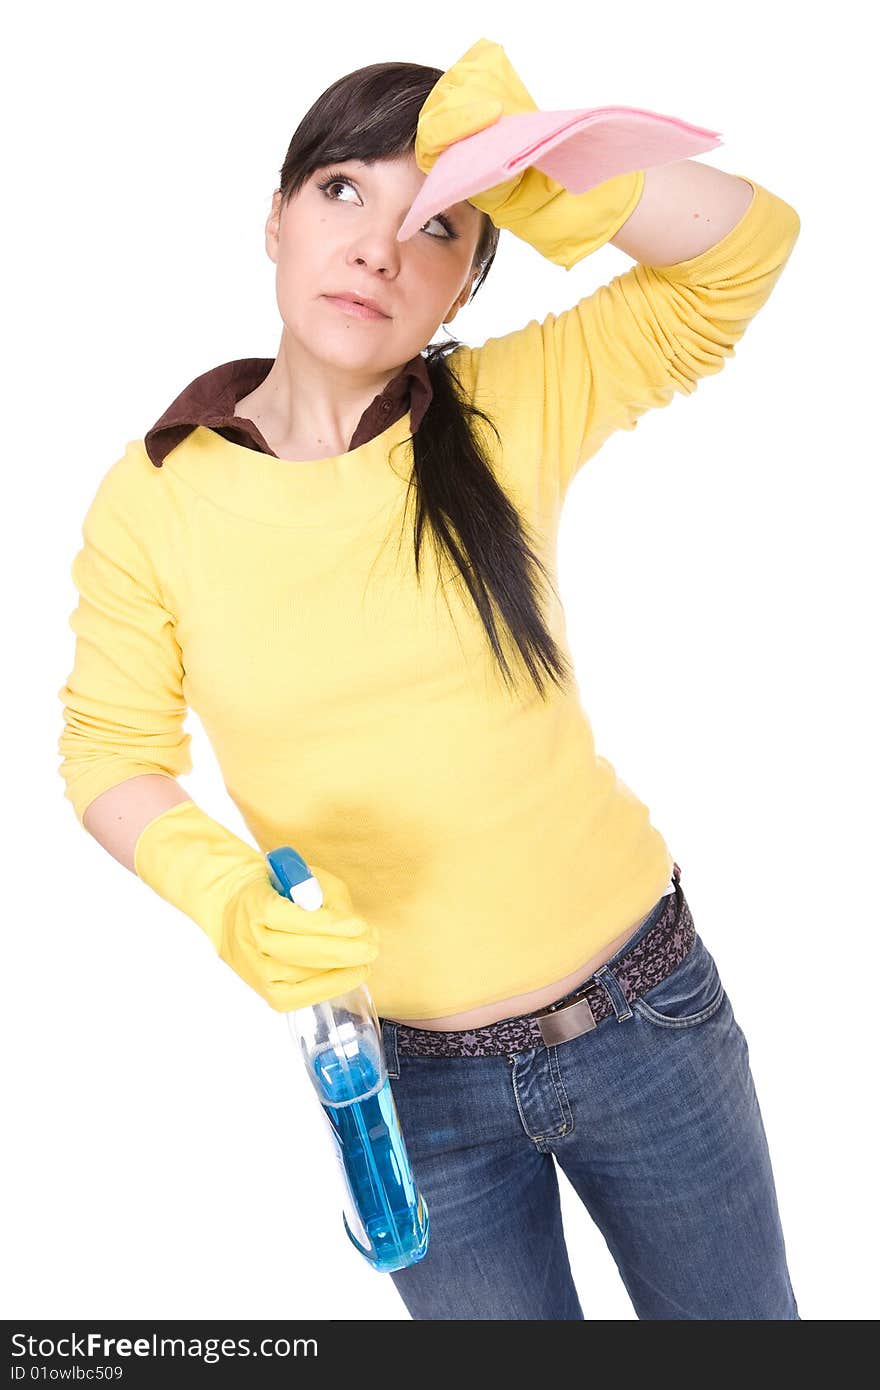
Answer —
565 227
290 955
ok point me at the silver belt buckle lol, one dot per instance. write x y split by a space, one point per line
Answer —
570 1022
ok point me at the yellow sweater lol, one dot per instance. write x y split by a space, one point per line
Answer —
355 715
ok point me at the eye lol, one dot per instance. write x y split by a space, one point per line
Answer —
336 178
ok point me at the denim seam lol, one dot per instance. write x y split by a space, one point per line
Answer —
545 1133
522 1118
561 1093
687 1020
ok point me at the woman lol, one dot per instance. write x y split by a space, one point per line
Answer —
504 894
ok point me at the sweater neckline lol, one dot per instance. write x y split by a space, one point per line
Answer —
342 490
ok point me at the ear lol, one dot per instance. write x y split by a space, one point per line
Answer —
273 227
462 298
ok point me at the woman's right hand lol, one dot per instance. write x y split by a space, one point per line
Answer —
293 956
290 955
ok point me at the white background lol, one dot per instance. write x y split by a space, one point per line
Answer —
161 1159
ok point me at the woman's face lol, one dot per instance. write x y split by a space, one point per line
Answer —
342 239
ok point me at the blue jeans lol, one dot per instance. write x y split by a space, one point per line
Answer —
653 1118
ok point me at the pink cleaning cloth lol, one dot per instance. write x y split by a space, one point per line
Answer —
579 149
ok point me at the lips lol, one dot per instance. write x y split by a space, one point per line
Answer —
361 300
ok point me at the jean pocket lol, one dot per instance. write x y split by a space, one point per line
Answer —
690 994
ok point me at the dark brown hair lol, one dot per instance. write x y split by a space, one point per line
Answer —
372 114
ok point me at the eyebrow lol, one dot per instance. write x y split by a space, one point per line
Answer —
452 212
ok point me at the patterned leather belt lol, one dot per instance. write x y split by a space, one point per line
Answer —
657 947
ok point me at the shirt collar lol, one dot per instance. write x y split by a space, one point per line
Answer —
210 400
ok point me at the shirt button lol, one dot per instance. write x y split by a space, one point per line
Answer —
385 407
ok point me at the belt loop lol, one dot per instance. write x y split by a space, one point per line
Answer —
619 1002
389 1047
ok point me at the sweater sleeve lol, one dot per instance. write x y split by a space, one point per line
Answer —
567 383
123 701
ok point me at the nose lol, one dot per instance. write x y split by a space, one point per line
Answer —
377 249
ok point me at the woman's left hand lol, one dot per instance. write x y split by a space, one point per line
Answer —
476 92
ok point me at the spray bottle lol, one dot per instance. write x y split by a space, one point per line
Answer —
385 1215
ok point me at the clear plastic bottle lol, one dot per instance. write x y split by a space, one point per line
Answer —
340 1039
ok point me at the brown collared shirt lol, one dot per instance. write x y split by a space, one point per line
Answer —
210 399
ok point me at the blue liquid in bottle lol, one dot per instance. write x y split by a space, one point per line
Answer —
385 1217
389 1213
